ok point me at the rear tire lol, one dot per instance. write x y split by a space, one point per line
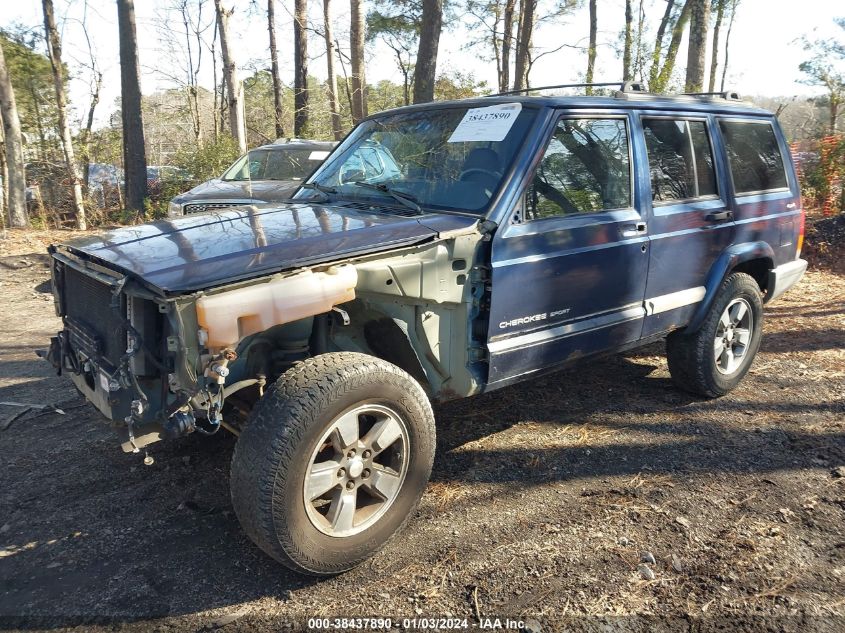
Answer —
333 461
712 360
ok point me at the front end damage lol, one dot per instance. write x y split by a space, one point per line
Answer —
121 348
160 365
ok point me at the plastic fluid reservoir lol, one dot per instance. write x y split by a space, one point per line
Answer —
232 315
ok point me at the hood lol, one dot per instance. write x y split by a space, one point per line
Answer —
256 190
206 250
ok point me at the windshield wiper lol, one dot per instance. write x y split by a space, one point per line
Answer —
407 199
316 186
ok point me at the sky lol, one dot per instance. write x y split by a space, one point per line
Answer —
764 48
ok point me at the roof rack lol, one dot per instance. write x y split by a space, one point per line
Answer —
624 86
728 95
290 139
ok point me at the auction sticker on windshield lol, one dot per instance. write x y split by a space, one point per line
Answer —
486 124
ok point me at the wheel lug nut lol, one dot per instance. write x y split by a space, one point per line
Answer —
366 473
367 454
341 472
351 453
350 485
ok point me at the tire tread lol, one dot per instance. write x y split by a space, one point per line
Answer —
266 448
689 355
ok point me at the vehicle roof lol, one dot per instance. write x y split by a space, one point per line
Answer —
622 101
297 143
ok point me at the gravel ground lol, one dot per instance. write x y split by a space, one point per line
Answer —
599 498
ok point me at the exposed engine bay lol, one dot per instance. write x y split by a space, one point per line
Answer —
160 367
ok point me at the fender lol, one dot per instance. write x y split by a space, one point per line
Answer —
730 258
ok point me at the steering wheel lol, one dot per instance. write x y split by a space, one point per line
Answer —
486 178
467 174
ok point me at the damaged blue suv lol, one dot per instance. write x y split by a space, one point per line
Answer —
441 251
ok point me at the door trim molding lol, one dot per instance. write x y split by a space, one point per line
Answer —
628 313
674 300
656 305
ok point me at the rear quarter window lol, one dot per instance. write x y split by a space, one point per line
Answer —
754 157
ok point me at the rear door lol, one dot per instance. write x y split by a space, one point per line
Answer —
691 221
569 267
765 189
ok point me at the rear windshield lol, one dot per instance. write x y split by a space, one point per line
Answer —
754 156
276 164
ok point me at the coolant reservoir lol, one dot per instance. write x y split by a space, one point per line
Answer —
230 316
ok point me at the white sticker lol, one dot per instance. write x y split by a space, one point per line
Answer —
104 382
486 124
318 155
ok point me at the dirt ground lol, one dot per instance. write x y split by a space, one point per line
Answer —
545 498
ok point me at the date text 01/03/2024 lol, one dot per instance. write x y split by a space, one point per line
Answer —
416 624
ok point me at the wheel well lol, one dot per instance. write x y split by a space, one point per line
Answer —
758 269
387 341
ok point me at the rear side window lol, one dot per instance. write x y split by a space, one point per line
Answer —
680 159
585 169
754 156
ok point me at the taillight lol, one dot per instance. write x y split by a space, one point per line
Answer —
800 241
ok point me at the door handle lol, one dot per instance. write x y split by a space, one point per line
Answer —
633 230
720 216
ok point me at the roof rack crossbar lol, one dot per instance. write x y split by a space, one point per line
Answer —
730 95
624 86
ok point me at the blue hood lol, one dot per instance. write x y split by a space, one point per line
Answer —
202 251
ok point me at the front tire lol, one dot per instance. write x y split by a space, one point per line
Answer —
714 359
333 461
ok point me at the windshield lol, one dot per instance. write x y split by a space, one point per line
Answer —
445 158
276 164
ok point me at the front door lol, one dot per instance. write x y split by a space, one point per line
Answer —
569 268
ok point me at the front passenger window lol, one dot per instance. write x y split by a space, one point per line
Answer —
585 169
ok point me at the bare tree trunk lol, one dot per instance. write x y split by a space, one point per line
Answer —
300 71
346 80
134 145
727 43
658 44
495 40
234 88
14 180
216 104
54 48
278 112
697 50
639 62
591 47
507 45
426 67
85 135
629 41
672 52
833 108
331 81
714 53
39 119
356 39
4 174
523 45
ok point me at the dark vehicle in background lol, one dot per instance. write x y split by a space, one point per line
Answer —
442 251
160 178
269 173
105 184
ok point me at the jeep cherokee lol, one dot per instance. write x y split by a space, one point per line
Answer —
474 244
